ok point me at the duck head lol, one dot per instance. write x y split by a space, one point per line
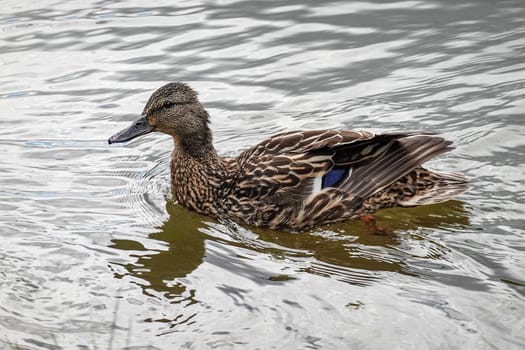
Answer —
174 110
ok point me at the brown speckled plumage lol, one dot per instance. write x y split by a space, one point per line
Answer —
280 182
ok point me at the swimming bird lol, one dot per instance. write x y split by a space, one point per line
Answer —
294 180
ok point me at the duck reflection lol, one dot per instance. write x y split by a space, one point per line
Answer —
347 251
157 270
351 252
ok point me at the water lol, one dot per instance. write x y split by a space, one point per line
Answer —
94 254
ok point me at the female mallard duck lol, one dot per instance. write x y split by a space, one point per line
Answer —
293 180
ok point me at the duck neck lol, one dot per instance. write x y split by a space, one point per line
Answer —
196 154
198 147
196 174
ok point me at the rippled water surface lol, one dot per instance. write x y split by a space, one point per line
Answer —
95 255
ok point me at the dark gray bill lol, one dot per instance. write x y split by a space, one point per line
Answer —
138 128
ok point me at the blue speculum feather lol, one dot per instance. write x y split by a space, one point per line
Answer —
333 177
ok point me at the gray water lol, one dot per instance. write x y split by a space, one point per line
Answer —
94 255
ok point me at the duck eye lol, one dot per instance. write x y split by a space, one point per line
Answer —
168 104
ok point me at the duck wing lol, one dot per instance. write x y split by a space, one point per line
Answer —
290 161
395 155
291 167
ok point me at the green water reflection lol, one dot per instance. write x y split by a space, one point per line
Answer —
348 249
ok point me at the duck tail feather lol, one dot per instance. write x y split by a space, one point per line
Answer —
447 186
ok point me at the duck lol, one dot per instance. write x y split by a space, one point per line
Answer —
294 180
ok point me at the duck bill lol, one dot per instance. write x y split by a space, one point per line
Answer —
138 128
